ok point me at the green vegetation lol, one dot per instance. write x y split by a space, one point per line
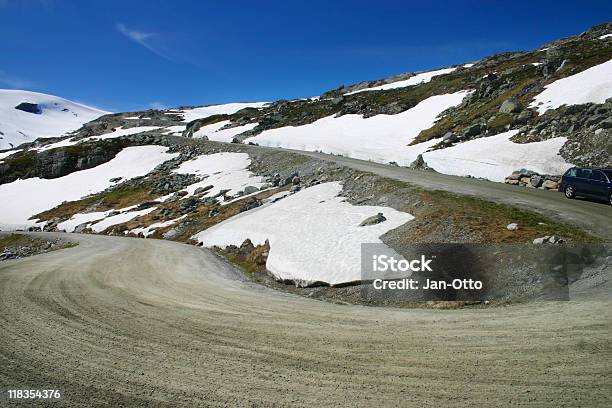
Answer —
492 218
123 196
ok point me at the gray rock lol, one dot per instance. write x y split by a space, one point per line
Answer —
450 137
201 190
523 117
373 220
536 180
419 164
473 130
511 105
250 189
512 227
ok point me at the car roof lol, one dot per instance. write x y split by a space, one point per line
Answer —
594 168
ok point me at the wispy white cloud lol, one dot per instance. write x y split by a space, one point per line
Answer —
14 82
142 38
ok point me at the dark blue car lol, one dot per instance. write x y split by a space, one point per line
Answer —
587 182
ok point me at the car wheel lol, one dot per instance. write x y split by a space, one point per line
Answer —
610 198
569 192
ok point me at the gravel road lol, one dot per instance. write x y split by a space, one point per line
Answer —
134 322
595 217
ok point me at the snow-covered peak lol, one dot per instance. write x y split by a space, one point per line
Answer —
49 116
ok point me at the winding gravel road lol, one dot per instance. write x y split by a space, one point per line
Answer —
595 217
134 322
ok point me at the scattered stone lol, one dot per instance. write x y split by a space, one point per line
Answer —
250 189
512 227
548 239
373 220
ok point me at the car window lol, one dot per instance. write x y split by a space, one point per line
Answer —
571 172
597 176
584 173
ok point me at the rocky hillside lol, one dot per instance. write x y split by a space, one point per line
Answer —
522 117
538 111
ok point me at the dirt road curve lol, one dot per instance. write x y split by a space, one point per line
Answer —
136 322
595 217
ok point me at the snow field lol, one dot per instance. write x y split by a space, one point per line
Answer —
314 234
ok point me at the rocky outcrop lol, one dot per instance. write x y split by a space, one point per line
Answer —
531 179
587 127
29 107
59 162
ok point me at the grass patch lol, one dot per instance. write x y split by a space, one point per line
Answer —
491 219
117 198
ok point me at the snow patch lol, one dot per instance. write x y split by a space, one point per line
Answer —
215 132
224 171
22 199
496 157
147 231
119 219
314 235
380 138
415 80
591 85
206 111
120 131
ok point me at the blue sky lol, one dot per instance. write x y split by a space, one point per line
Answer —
131 55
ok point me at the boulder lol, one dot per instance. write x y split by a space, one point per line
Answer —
523 117
511 105
419 164
550 185
473 130
250 189
536 180
373 220
450 137
512 227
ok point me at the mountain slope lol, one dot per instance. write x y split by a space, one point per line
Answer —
40 116
559 95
